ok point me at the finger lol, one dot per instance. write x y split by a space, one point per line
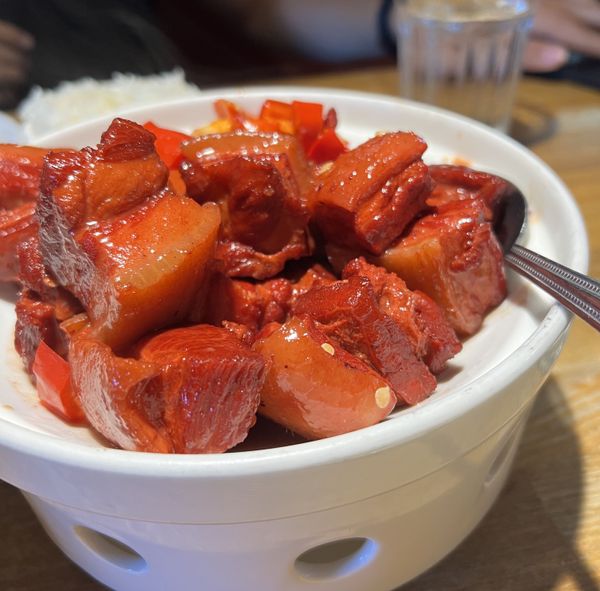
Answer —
578 37
561 27
12 35
12 55
588 11
544 57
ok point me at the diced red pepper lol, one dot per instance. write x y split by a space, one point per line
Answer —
276 110
327 147
308 121
276 116
53 380
168 144
239 119
331 119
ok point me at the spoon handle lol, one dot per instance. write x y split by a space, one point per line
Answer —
578 293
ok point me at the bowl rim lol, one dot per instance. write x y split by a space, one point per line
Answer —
407 425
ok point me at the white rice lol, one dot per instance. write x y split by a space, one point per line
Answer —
46 111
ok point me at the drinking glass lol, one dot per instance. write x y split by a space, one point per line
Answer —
463 55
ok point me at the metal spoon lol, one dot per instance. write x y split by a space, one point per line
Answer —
576 292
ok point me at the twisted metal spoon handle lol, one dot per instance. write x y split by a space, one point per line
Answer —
575 291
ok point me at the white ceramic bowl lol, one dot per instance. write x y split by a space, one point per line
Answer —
366 510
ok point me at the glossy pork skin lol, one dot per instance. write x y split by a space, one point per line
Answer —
132 252
457 183
348 312
186 390
370 194
453 256
209 383
20 169
422 320
261 183
16 226
113 392
316 388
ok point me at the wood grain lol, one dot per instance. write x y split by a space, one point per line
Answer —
544 532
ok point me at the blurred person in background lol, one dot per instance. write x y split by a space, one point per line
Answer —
230 41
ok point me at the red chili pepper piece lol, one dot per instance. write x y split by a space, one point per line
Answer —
308 121
327 147
168 144
53 380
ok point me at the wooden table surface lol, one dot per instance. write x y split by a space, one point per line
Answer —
544 532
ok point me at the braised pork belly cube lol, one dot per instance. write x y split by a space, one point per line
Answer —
209 383
34 277
250 304
457 183
131 251
36 322
261 183
16 226
422 320
113 395
314 276
348 312
256 304
186 390
145 270
453 256
370 194
313 386
42 306
20 169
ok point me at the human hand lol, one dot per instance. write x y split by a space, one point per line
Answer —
15 48
560 27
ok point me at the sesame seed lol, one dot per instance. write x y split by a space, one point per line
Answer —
328 348
382 396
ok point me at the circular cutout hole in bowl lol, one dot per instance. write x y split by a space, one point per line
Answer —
336 559
111 550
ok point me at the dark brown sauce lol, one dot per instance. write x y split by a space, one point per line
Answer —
266 435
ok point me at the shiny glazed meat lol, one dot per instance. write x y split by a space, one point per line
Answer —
348 312
120 258
189 390
133 253
314 387
456 183
373 192
36 321
419 316
261 183
209 384
453 256
113 394
16 226
20 169
250 304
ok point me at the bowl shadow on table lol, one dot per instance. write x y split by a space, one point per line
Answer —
527 541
